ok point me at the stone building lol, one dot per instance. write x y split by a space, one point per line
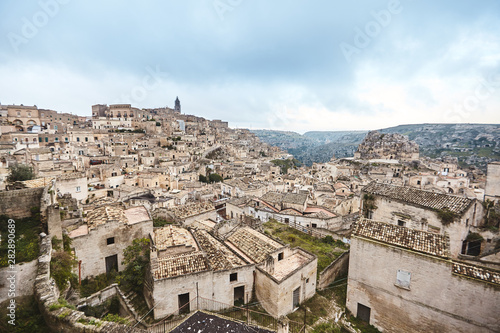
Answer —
423 210
404 280
188 265
492 191
107 231
284 277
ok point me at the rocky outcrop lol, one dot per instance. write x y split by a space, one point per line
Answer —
387 146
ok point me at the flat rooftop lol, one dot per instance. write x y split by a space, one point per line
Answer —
283 268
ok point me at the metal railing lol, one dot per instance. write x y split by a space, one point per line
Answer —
242 314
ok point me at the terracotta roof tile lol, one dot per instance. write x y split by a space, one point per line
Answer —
180 265
253 244
475 272
416 240
219 256
419 197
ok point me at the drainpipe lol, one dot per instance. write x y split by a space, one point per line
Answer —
80 272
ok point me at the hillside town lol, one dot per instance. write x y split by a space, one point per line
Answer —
154 220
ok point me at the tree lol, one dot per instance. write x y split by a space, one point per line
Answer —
136 259
20 172
215 178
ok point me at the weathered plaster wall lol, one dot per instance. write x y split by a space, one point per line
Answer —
24 274
437 300
335 269
92 249
208 285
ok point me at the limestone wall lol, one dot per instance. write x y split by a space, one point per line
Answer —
24 274
17 203
335 269
436 300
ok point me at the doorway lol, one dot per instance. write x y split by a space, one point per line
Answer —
184 303
239 296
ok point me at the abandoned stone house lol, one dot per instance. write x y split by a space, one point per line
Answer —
106 231
404 280
284 277
187 264
424 210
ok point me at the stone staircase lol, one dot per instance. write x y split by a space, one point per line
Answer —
140 308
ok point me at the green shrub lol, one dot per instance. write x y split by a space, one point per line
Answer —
61 268
20 172
116 318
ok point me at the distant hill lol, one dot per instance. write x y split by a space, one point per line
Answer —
472 144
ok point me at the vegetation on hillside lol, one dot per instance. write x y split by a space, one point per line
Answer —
20 172
287 164
26 238
327 250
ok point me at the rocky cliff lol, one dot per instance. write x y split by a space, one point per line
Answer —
387 146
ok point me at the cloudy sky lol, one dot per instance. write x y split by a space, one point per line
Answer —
289 65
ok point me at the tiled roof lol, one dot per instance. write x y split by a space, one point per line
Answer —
171 235
103 214
416 240
419 197
476 272
253 244
188 210
219 256
273 197
295 198
176 265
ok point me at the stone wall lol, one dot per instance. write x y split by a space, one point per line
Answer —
436 300
24 273
18 203
492 191
337 268
65 319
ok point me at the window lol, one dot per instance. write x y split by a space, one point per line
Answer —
403 279
78 189
233 277
280 256
77 139
86 139
418 182
55 127
46 139
56 139
401 223
110 240
66 139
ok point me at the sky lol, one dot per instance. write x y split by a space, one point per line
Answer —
285 65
